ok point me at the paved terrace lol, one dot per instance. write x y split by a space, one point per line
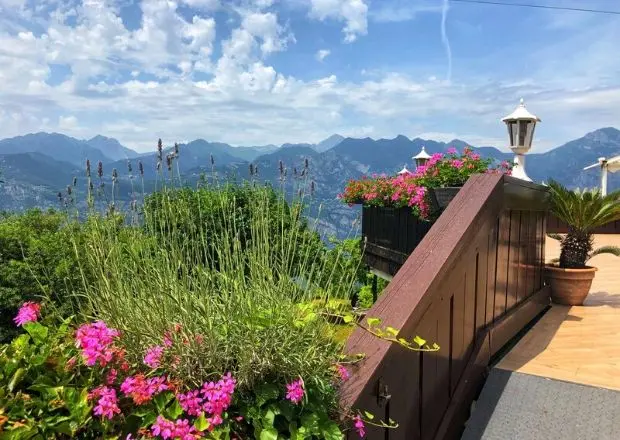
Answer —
562 380
577 344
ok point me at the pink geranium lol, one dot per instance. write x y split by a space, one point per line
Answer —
28 312
295 391
96 340
107 403
153 356
360 427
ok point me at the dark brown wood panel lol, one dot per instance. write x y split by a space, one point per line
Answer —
503 254
469 285
491 271
524 225
512 289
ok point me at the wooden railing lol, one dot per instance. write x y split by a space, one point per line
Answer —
474 281
555 225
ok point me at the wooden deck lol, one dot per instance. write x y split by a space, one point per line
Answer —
577 344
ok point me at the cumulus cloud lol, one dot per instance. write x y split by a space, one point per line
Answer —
167 76
322 54
352 12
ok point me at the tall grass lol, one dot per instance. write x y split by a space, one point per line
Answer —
230 272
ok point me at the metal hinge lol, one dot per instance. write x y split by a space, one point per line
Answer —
383 395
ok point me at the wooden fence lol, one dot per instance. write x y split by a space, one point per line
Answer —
390 235
474 281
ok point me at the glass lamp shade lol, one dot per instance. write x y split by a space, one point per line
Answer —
420 161
521 134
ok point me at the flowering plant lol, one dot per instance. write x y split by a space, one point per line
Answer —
411 189
60 382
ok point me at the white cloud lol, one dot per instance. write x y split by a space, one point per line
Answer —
352 12
67 122
322 54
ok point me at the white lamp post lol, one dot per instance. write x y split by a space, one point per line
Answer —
404 171
520 124
607 165
421 158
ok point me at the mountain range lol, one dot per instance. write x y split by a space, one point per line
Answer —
35 167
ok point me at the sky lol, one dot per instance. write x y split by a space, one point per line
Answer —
256 72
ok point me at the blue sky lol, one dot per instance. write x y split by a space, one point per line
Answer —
253 72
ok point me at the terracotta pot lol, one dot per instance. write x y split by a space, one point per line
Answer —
569 286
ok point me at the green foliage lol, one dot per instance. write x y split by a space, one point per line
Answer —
229 268
37 258
583 211
40 396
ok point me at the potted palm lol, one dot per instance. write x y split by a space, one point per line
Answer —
569 277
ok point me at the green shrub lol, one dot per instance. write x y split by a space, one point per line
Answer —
37 258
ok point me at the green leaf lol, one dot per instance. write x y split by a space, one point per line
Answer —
174 410
265 393
368 415
418 340
392 330
373 322
269 434
435 346
269 417
331 431
16 379
162 400
347 318
201 423
37 331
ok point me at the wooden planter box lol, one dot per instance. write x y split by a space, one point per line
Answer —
390 235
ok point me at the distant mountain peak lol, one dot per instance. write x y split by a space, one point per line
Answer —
111 147
329 143
605 134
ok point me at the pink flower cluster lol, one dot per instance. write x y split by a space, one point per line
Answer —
28 312
360 427
295 391
141 389
96 341
180 429
153 356
213 398
342 371
107 405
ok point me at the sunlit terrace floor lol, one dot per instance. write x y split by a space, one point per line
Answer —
577 344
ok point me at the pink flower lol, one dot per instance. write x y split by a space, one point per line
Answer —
359 426
107 405
162 428
456 163
191 402
343 373
475 156
452 150
179 429
295 391
142 390
217 397
153 356
111 376
167 339
28 312
96 340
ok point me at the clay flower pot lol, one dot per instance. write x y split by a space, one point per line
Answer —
569 286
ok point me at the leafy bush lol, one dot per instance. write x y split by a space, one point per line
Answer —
59 383
36 258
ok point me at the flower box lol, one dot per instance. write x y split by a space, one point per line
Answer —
440 198
390 235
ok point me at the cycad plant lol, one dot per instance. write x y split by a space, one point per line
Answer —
583 210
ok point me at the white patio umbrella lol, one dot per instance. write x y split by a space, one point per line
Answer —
607 166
